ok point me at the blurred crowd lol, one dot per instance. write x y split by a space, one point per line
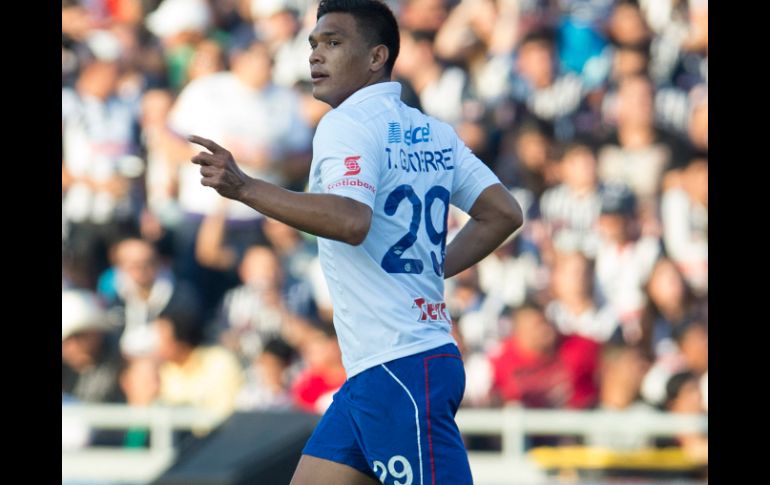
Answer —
594 113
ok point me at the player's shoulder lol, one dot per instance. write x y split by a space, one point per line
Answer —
439 129
434 122
342 120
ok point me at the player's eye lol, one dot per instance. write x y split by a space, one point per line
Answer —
333 43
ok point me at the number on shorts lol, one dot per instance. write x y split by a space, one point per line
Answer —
404 470
384 471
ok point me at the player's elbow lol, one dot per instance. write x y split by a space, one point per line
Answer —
511 216
356 234
497 210
506 216
357 227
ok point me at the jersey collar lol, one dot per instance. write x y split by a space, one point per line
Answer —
385 88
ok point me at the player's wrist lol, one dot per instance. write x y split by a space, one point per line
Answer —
243 188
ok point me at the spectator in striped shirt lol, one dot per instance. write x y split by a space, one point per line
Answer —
570 210
264 306
624 260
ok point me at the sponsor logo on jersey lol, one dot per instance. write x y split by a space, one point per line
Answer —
431 311
351 183
411 136
417 135
351 163
394 132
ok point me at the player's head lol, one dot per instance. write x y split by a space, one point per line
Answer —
355 43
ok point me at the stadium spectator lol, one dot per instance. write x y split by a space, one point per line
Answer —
314 386
267 379
671 303
140 382
526 159
570 210
572 308
621 372
683 396
193 374
538 86
90 356
99 168
636 153
624 260
142 290
538 369
684 212
263 306
690 355
262 123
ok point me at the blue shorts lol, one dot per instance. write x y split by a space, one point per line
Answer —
395 421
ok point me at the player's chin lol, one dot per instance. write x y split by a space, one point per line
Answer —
319 93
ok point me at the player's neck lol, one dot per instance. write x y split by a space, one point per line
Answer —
376 79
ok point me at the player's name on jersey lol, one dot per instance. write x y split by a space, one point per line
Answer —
420 160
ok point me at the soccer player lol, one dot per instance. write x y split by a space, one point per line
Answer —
381 181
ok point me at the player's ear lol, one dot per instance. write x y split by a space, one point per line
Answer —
379 56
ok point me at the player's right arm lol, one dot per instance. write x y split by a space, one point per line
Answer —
325 215
495 215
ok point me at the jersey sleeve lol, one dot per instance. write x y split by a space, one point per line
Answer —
346 159
471 178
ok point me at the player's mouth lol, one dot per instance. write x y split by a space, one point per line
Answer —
317 77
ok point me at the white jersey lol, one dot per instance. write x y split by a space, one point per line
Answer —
388 292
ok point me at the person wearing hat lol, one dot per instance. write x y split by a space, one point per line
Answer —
624 260
91 359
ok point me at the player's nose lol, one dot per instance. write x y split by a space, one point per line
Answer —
315 58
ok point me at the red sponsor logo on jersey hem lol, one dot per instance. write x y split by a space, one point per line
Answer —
433 311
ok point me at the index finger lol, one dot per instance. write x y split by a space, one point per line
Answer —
205 142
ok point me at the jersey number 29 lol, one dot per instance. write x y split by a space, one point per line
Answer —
392 262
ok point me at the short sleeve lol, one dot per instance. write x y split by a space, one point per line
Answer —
346 159
471 178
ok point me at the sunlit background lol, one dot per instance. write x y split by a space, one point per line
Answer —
197 343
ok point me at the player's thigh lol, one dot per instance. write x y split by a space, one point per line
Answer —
318 471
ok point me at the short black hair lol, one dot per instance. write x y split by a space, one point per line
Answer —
675 384
529 304
375 20
545 36
576 144
280 349
679 332
183 312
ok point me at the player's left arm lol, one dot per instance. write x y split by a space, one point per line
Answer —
495 215
325 215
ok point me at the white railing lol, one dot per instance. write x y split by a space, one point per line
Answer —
508 466
129 465
514 424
